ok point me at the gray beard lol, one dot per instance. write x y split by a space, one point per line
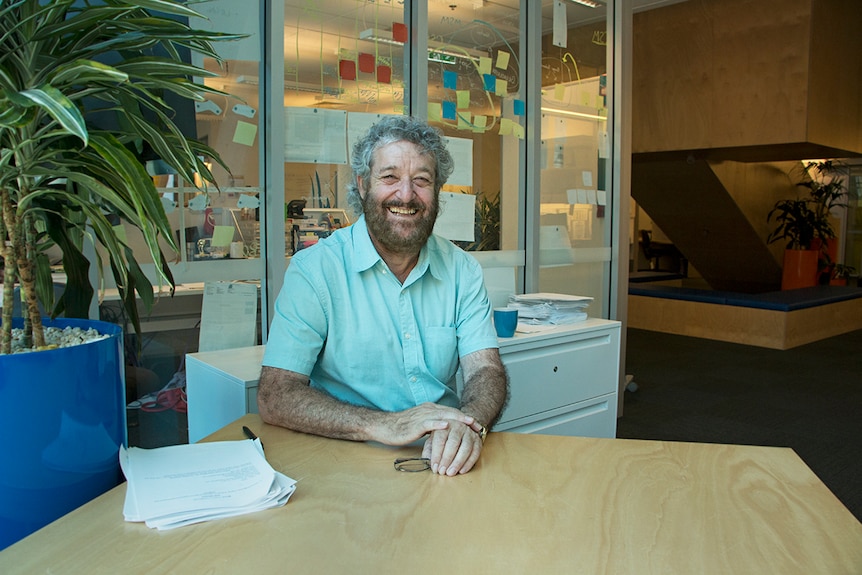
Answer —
399 238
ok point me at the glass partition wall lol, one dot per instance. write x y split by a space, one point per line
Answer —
465 67
575 216
522 90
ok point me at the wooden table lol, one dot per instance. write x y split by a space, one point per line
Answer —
535 504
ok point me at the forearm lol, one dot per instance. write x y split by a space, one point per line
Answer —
286 399
486 387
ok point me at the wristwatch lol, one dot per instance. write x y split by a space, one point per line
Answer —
483 433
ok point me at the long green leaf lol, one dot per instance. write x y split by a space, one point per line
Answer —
59 107
85 71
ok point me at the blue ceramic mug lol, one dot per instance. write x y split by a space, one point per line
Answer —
505 321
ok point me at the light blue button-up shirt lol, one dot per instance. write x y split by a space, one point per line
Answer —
345 320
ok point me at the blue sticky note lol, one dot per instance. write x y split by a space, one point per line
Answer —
490 82
449 110
519 107
450 80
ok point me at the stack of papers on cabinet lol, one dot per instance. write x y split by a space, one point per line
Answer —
179 485
549 308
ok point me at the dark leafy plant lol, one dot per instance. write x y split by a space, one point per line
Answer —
61 178
487 225
825 185
797 223
842 271
802 220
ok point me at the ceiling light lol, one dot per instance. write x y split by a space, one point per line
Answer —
382 36
575 114
437 51
588 3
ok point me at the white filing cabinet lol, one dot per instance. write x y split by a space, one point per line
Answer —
563 382
221 386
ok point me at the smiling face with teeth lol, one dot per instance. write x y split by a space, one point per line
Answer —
399 199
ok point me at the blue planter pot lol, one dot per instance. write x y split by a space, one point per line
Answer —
62 420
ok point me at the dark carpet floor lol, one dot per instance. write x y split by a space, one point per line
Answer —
808 398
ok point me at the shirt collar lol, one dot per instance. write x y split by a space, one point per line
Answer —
367 256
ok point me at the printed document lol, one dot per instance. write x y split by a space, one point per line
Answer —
182 484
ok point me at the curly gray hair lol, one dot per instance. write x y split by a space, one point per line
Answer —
395 129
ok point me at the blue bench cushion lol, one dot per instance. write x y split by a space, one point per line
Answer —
785 300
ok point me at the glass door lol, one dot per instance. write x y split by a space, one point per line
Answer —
575 216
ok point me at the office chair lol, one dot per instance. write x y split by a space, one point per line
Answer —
654 251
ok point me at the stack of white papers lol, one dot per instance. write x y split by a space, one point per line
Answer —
179 485
549 308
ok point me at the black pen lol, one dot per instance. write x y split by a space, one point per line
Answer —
250 434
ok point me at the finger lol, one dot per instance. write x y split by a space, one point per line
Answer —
437 411
468 454
450 462
436 445
471 461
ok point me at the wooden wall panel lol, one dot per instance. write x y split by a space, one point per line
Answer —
750 76
835 79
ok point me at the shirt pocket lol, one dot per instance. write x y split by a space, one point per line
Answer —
441 352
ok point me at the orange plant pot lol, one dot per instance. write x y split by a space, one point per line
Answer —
800 269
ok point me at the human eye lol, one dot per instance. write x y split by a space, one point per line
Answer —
422 181
388 178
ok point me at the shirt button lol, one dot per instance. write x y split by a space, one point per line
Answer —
406 336
413 379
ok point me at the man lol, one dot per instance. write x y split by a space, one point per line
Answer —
373 322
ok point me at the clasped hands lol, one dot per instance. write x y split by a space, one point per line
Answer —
453 444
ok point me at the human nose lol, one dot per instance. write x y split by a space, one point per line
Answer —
404 190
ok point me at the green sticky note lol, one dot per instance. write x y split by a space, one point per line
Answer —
502 59
463 99
505 126
435 111
479 123
502 88
222 236
484 65
464 121
245 133
518 130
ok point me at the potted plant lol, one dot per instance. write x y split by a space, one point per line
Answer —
63 63
824 183
803 223
797 224
841 274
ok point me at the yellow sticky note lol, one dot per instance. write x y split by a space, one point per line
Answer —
518 130
505 126
222 236
502 87
245 133
479 123
463 99
435 111
484 65
502 59
585 99
464 120
559 92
